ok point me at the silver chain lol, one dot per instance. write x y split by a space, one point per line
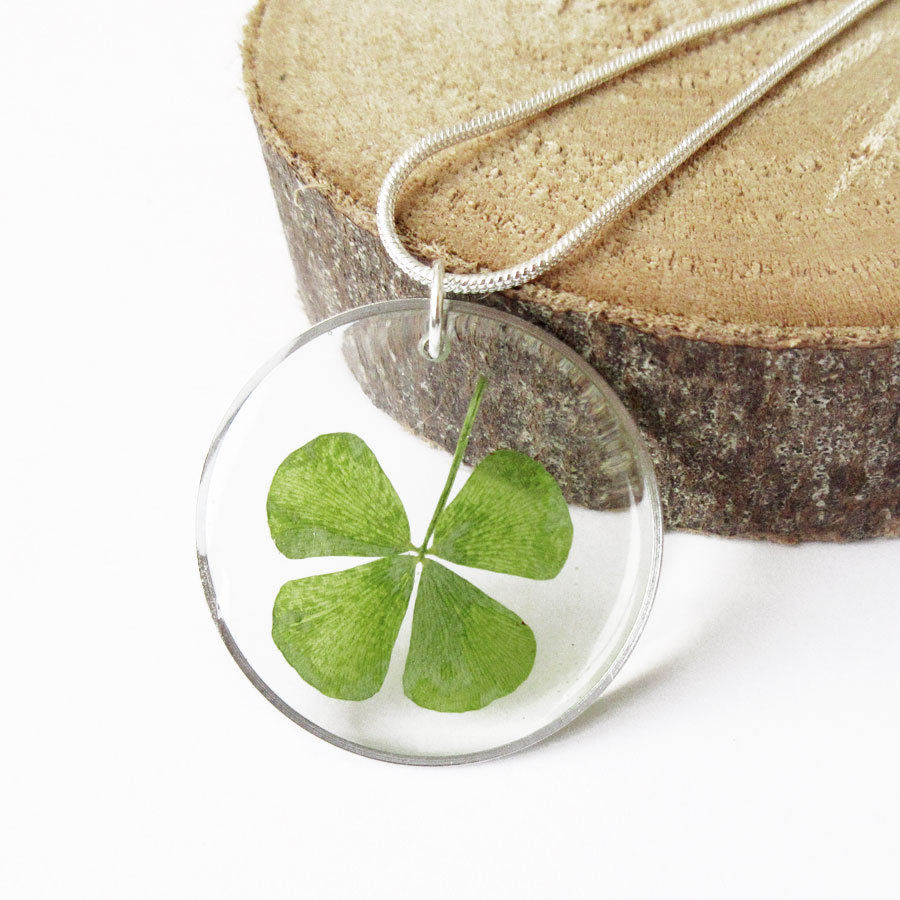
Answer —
614 207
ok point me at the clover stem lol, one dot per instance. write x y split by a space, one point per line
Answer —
460 451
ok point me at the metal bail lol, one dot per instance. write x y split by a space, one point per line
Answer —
436 343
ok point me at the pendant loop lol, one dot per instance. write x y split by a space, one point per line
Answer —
436 342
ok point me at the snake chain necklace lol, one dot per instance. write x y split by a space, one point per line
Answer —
428 531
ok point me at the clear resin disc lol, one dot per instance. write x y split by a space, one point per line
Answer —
429 562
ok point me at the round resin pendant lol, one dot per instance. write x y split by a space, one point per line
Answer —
429 561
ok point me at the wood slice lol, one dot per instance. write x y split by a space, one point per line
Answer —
747 311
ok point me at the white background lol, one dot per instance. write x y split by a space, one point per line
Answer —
749 748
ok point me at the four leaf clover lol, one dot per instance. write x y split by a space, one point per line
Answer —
332 498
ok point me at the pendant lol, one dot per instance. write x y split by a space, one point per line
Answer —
429 543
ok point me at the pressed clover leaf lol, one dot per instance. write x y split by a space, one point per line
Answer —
466 649
332 498
338 630
510 516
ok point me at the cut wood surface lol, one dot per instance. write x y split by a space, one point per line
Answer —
747 311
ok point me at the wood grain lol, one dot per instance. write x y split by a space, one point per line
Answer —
753 332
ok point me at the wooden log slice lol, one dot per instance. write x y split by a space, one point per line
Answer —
747 312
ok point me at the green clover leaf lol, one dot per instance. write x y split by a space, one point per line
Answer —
466 649
332 498
510 517
338 630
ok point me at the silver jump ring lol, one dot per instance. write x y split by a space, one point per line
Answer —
436 342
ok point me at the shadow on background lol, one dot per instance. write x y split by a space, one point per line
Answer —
726 606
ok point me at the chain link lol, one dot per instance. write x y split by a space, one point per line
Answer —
614 207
